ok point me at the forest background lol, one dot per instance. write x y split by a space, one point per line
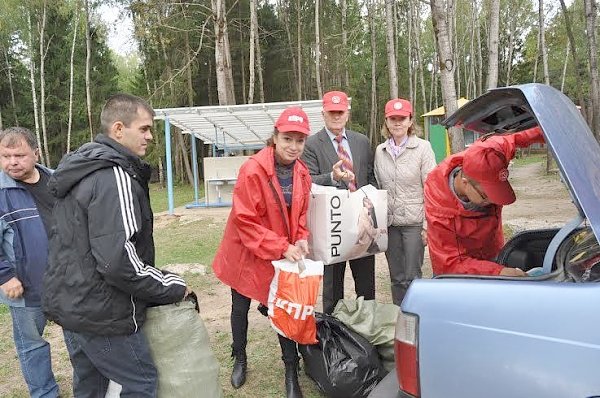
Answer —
56 69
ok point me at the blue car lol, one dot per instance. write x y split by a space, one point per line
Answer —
500 337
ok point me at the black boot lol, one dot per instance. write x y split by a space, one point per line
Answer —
292 388
238 375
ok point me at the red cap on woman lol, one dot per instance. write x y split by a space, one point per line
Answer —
293 120
398 107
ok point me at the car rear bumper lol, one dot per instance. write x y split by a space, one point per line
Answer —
388 388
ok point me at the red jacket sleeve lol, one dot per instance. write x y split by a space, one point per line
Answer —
508 143
260 240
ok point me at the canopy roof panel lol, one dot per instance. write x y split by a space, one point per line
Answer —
237 126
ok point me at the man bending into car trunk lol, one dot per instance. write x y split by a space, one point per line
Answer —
464 196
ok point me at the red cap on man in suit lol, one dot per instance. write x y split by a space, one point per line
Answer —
335 101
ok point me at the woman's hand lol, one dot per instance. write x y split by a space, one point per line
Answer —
303 246
424 236
293 253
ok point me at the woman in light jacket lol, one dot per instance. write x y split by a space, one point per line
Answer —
402 163
267 222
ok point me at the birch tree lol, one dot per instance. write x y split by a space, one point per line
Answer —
42 30
446 62
225 85
11 88
318 50
391 50
88 65
492 77
251 62
71 76
591 28
543 49
579 67
36 116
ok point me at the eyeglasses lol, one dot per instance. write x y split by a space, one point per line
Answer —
483 196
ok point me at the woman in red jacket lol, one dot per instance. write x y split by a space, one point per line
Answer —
267 222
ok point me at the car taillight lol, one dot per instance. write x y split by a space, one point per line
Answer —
405 347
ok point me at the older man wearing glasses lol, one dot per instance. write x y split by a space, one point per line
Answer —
464 196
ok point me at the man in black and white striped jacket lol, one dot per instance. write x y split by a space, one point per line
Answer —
101 273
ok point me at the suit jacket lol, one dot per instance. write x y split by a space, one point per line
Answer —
320 156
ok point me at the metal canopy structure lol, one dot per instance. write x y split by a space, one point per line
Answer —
235 127
228 128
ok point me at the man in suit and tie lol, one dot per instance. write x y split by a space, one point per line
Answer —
344 159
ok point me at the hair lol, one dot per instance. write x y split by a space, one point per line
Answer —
13 136
122 108
412 130
271 141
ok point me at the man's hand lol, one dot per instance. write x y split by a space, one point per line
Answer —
13 289
339 174
293 253
303 246
508 271
188 290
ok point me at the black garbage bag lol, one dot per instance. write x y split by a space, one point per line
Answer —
343 364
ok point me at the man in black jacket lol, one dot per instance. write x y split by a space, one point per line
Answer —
101 273
342 158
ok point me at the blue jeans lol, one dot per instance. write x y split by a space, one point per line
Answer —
33 351
98 359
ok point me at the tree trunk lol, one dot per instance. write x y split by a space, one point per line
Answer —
417 35
88 60
36 116
299 49
579 67
190 84
179 136
318 49
564 72
373 113
391 51
71 76
242 59
492 77
261 83
543 42
225 85
344 6
42 32
251 62
10 85
479 61
511 40
591 28
440 28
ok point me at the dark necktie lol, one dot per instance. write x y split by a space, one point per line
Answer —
346 161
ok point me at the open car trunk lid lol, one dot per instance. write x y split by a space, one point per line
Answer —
511 109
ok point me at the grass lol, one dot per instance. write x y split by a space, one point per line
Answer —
182 194
529 159
193 242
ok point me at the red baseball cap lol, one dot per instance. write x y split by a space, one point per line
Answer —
293 120
398 107
489 167
335 101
